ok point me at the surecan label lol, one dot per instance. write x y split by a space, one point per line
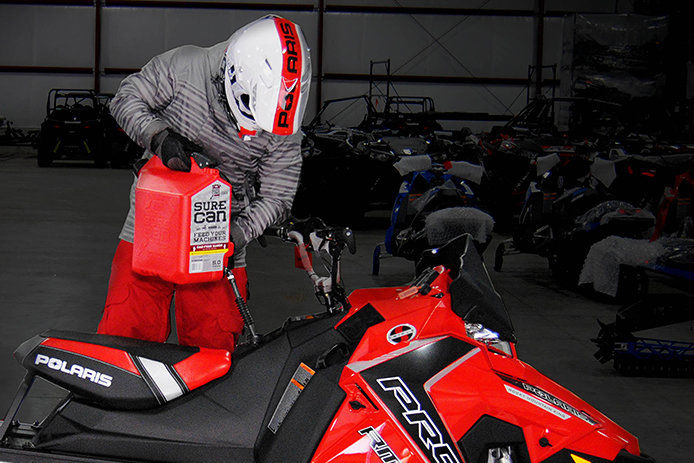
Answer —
209 228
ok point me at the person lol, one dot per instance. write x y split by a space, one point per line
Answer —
241 103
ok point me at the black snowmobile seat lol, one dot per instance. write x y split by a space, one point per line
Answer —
118 372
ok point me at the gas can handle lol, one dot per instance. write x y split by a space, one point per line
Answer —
203 161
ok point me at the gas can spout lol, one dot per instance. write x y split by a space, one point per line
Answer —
248 321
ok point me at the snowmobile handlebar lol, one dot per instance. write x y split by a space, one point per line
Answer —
337 238
313 235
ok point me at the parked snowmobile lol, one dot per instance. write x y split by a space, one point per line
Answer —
579 217
435 203
572 240
426 372
570 208
342 178
531 233
621 340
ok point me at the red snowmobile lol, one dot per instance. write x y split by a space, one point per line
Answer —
426 372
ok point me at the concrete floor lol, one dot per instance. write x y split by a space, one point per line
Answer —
58 232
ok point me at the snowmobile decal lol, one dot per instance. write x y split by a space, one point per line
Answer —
441 374
76 370
362 365
302 375
162 379
428 433
121 373
379 445
401 333
548 402
399 383
537 402
108 355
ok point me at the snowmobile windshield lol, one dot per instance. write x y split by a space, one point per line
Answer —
439 197
473 297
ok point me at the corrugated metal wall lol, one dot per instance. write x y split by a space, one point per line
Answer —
60 34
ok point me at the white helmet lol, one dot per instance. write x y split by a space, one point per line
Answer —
267 76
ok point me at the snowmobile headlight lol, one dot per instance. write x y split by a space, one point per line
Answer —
479 333
500 455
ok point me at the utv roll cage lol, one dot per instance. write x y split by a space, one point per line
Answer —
59 98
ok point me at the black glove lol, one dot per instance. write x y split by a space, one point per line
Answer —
174 149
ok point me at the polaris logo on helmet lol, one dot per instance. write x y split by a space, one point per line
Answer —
291 70
74 370
290 47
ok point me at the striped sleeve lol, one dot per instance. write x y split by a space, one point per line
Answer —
143 94
279 172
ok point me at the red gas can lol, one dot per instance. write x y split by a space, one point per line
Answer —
182 222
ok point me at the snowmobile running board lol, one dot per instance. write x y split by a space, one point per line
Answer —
654 357
26 456
635 356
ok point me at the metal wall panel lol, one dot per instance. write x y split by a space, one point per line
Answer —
46 35
131 36
231 2
593 6
553 43
479 46
110 83
24 96
486 4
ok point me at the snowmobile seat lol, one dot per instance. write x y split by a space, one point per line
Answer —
118 372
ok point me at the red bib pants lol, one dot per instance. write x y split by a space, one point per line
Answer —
138 307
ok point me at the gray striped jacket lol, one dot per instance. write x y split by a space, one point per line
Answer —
176 89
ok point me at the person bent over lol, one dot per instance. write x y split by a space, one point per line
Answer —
241 103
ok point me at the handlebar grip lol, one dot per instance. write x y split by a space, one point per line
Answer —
343 236
350 241
272 231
